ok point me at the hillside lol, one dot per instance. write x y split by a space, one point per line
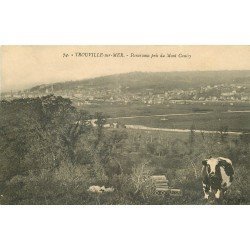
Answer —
136 81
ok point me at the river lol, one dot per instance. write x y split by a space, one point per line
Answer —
140 127
179 114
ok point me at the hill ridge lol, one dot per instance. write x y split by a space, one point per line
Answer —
140 79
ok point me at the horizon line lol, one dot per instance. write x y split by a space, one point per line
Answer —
129 72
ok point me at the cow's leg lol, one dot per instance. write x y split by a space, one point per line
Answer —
206 190
217 194
222 194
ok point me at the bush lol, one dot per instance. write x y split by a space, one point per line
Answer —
51 155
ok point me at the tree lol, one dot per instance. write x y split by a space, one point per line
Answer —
38 133
223 132
192 138
110 151
100 120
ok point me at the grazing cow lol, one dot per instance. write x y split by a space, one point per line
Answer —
217 176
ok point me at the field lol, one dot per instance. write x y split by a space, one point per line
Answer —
140 109
211 116
200 121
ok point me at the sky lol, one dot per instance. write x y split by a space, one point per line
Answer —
26 66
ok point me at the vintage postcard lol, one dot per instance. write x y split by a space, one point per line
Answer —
124 125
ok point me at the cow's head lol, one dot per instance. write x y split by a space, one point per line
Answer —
213 171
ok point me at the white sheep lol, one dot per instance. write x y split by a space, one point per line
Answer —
95 189
109 190
99 190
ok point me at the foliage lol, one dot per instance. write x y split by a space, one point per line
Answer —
51 154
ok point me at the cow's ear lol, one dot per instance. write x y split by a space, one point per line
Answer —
204 163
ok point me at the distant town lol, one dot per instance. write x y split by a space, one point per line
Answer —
81 96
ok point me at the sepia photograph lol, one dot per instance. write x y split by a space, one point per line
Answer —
124 125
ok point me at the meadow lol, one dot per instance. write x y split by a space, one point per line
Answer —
200 116
214 121
113 110
50 154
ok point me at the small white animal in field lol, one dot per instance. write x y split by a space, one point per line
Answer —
99 190
109 190
95 189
